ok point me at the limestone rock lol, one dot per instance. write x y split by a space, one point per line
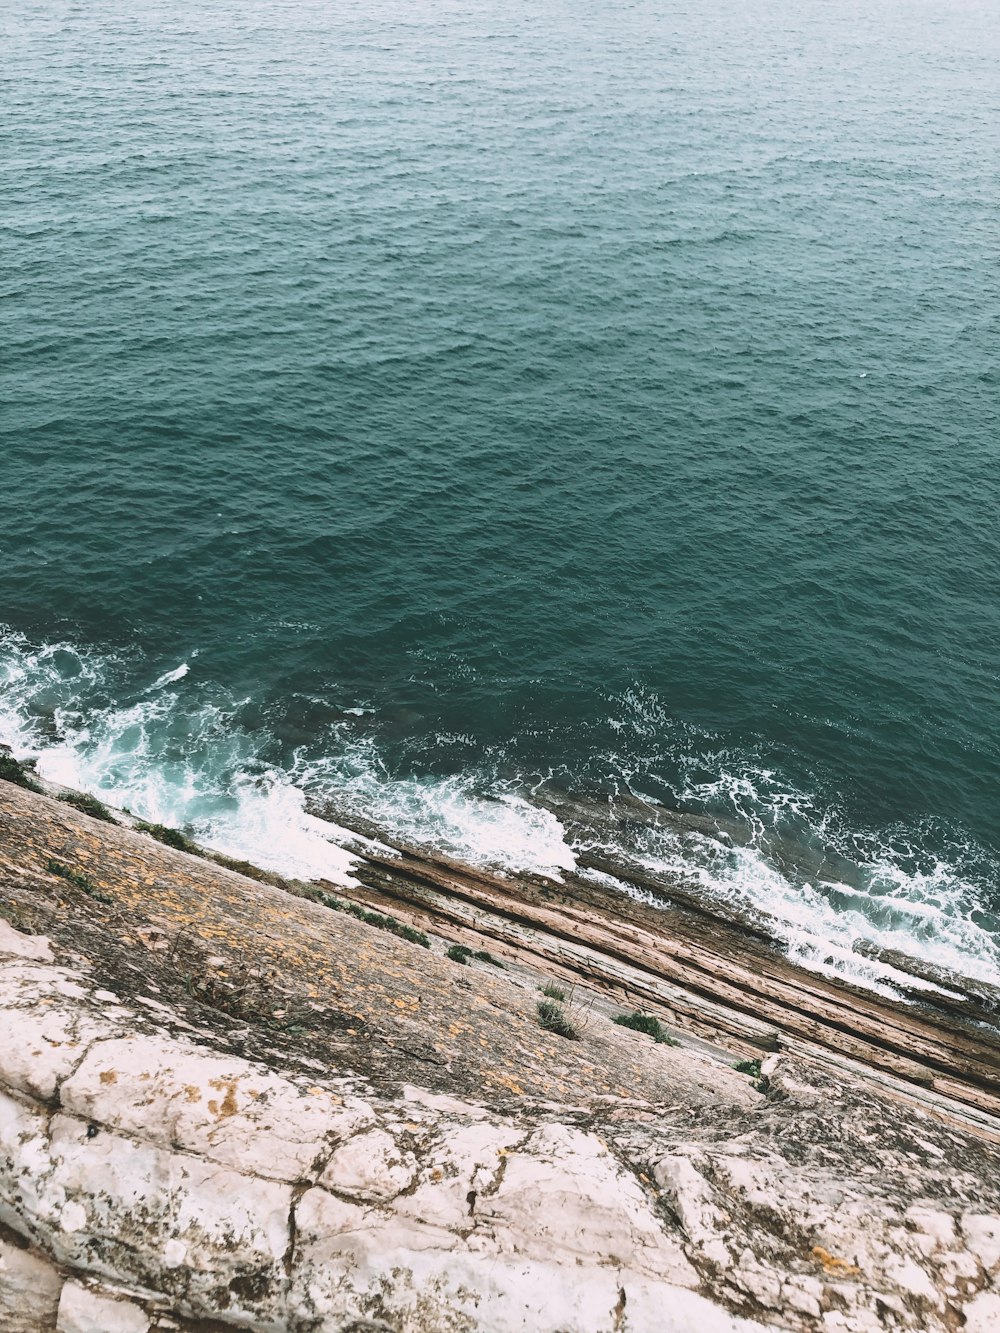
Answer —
29 1291
982 1314
18 945
82 1310
227 1111
253 1152
200 1181
196 1180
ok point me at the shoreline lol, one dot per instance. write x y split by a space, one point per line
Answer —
706 970
342 1109
705 974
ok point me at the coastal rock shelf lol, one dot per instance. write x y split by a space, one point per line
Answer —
716 977
225 1104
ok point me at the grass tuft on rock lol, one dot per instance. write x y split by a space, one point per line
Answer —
170 837
554 992
78 879
553 1019
389 923
646 1023
88 805
13 771
461 953
751 1067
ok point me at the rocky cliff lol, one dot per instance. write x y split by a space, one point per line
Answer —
228 1102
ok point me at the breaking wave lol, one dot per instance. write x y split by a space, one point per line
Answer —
169 744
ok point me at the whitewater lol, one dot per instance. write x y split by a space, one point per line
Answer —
177 755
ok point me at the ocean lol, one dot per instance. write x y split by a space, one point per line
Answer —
544 431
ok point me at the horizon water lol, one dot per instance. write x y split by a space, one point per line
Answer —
547 434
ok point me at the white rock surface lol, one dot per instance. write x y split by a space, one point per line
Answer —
223 1110
242 1195
17 945
82 1310
29 1291
982 1314
149 1173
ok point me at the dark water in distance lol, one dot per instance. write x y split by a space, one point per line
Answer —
476 395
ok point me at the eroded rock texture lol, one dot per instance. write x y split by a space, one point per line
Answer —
144 1176
206 1186
224 1106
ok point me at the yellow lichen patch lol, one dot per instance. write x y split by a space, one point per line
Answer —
109 1076
833 1265
228 1106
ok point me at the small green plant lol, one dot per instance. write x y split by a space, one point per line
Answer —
376 919
553 1019
77 878
248 869
461 953
89 805
652 1027
12 771
170 837
751 1067
399 928
554 992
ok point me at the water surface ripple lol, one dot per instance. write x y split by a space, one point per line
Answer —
491 399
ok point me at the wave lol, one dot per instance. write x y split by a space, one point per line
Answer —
181 750
928 915
175 759
184 758
170 677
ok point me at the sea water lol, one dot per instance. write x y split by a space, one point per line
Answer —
456 415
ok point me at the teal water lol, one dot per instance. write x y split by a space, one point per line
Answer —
437 410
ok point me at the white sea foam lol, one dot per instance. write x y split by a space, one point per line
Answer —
183 763
500 829
178 756
165 759
927 915
170 677
270 827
